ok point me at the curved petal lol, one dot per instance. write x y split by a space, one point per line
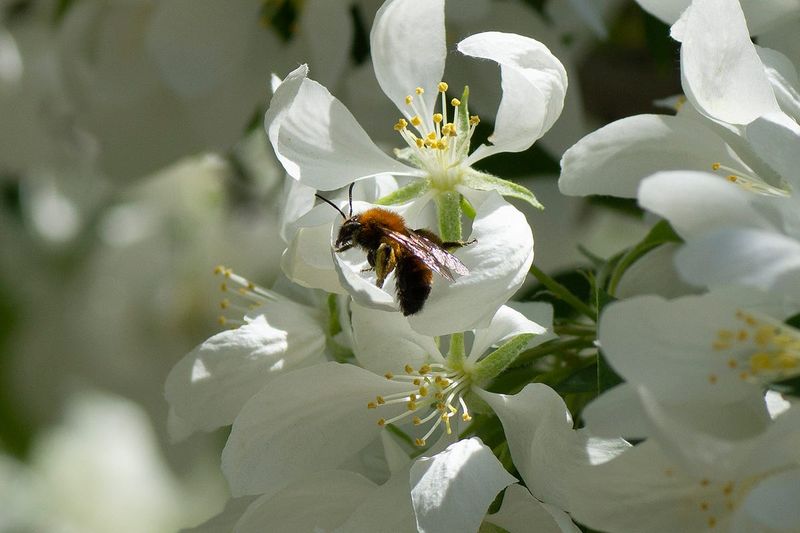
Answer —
614 159
667 10
698 202
752 257
506 323
534 86
721 72
384 341
545 448
226 520
209 386
309 420
498 263
521 513
617 412
197 44
407 44
329 51
387 509
308 505
318 141
783 78
773 502
452 490
775 138
655 273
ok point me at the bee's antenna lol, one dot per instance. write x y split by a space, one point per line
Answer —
350 195
333 205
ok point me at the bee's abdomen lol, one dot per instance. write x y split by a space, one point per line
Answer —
413 283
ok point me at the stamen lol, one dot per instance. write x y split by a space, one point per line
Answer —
748 181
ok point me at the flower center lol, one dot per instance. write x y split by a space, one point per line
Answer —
437 145
241 296
435 394
749 182
760 348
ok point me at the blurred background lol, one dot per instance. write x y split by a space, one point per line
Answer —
133 160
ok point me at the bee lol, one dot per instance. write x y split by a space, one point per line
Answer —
413 255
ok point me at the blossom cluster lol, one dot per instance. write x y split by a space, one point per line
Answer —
660 402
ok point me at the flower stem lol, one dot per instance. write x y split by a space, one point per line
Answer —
448 205
563 293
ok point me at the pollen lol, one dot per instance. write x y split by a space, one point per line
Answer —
419 91
455 102
401 124
442 86
415 120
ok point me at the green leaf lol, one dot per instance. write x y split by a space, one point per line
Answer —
462 125
415 189
661 233
497 361
487 182
448 204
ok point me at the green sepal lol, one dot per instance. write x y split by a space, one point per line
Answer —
448 205
497 361
661 233
467 208
404 194
462 125
409 155
487 182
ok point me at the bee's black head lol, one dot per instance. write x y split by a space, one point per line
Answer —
348 233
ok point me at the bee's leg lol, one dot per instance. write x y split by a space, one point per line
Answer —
448 245
385 261
370 260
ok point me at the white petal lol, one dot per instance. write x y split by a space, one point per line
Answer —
655 273
407 44
617 412
534 86
521 513
775 137
384 341
452 490
321 501
226 520
545 448
309 420
615 158
318 141
698 202
209 386
773 502
328 50
505 324
498 264
666 10
783 78
199 44
387 509
746 256
721 72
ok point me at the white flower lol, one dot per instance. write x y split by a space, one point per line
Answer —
321 144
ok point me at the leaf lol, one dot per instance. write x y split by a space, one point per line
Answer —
486 182
415 189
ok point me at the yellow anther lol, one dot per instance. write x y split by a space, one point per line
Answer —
412 397
731 178
712 521
409 99
381 422
416 421
242 291
419 90
380 399
725 334
431 136
727 489
224 304
742 335
219 269
419 142
424 369
764 335
760 361
704 482
466 417
455 102
438 395
733 363
442 86
222 320
223 287
409 369
400 125
437 118
668 472
743 376
411 406
415 120
717 345
372 405
474 120
441 145
786 361
716 166
423 391
704 506
712 378
388 375
417 382
419 442
251 286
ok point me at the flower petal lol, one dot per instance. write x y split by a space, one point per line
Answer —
385 342
545 448
617 412
209 386
407 44
615 158
751 257
773 502
226 520
534 86
521 513
318 141
308 505
507 323
698 202
452 490
387 509
329 51
775 137
721 72
309 420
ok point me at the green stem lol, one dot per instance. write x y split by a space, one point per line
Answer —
455 357
448 205
563 293
551 348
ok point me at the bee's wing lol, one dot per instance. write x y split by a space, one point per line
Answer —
434 256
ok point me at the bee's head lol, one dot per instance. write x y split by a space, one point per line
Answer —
348 233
